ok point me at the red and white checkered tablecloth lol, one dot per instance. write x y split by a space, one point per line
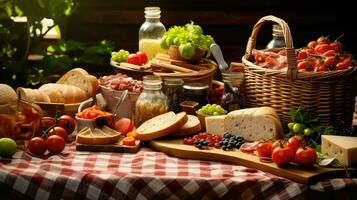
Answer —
145 175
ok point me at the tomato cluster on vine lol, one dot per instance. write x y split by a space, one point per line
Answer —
322 55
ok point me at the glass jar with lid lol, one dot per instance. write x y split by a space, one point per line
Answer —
196 92
151 102
233 96
278 38
151 32
173 89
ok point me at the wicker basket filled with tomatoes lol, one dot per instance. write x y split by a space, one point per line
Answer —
320 77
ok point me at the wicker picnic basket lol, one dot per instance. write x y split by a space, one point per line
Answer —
331 95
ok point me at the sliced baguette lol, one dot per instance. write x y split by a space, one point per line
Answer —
97 136
191 127
80 78
161 125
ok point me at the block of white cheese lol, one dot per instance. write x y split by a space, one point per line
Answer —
215 124
254 124
343 148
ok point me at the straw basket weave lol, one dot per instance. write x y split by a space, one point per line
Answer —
331 95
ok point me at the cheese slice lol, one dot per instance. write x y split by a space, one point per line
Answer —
215 124
343 148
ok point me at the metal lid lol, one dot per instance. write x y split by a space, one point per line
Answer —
173 81
196 86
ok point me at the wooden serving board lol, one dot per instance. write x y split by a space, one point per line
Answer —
175 147
115 147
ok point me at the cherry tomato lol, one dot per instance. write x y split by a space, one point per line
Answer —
30 114
308 51
55 144
296 142
342 65
259 57
47 122
301 55
312 44
302 66
323 40
124 126
330 61
305 156
57 130
37 146
277 143
337 46
322 48
265 149
143 57
282 156
321 68
130 141
330 52
134 59
67 122
132 134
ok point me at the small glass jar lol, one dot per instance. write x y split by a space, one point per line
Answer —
196 92
278 38
151 102
232 98
173 90
151 32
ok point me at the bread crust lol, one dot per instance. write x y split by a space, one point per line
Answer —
192 126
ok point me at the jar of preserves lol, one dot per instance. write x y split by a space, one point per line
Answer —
278 38
151 102
232 98
173 90
151 32
196 92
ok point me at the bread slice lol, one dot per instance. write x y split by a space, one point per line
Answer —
97 136
80 78
254 124
161 125
61 93
191 127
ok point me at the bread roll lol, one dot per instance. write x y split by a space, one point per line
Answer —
161 125
61 93
32 95
80 78
254 124
8 99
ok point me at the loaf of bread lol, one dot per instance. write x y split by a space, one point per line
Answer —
254 124
8 99
192 126
53 93
80 78
161 125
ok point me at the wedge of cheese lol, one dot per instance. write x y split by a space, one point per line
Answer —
215 124
343 148
254 124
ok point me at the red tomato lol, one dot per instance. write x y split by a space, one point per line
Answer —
330 61
342 65
57 130
282 156
143 57
321 68
37 146
265 149
312 44
30 114
47 122
259 57
277 143
302 65
296 142
337 46
305 156
55 144
322 48
130 141
301 55
124 126
67 122
323 40
134 59
330 52
308 51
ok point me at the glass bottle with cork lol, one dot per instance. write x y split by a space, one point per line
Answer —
151 102
151 32
278 38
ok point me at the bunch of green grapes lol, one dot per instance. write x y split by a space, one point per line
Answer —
120 56
211 109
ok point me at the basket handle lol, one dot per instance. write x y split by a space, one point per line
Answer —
290 51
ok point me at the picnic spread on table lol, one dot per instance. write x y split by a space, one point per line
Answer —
279 125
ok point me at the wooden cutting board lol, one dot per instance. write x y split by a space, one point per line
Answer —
115 147
175 147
